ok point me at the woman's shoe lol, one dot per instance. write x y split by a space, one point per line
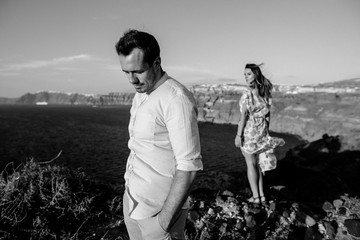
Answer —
255 200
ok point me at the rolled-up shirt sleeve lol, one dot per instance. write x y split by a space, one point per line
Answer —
181 122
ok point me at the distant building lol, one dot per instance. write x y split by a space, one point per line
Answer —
41 103
218 88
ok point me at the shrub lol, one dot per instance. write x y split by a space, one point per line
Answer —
43 201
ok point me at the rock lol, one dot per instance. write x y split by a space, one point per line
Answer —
239 224
286 214
309 221
193 216
223 228
272 206
200 224
312 233
211 211
353 227
328 207
295 206
338 203
250 221
277 188
322 228
228 193
305 219
342 211
330 230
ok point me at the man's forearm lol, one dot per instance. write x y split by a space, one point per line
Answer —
177 196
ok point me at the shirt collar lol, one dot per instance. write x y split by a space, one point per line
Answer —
160 82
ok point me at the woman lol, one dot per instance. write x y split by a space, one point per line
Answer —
253 128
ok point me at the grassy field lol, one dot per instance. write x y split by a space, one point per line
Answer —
95 139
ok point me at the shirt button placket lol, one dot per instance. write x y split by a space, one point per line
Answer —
131 160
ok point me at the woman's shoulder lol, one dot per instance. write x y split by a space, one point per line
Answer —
245 95
247 91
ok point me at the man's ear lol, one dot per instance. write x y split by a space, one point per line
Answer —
157 63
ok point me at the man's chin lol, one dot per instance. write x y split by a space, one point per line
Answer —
140 90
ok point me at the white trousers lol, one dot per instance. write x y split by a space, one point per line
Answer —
149 228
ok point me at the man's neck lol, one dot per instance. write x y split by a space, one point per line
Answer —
160 81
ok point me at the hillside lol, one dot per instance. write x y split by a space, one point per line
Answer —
71 98
307 114
306 111
349 83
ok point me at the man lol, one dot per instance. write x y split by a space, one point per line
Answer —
164 143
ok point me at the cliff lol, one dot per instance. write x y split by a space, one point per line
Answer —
306 111
71 98
309 115
312 115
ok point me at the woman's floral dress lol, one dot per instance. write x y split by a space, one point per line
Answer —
256 132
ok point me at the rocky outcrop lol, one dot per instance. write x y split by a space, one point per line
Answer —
117 98
4 100
312 115
308 115
312 194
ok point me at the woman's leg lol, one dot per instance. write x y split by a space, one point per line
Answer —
261 183
253 173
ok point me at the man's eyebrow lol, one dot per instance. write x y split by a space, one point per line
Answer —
135 71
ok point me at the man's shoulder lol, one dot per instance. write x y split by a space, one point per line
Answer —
174 87
173 92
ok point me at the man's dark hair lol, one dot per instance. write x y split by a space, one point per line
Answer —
142 40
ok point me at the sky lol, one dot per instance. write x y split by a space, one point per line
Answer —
68 45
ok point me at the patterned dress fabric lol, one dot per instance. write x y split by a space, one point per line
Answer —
256 132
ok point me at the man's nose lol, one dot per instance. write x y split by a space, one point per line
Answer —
132 78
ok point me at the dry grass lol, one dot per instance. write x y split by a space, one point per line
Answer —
44 201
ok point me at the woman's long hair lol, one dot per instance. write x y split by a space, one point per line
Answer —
263 85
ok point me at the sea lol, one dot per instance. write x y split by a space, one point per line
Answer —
94 140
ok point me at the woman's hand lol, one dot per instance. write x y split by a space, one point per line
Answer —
238 141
